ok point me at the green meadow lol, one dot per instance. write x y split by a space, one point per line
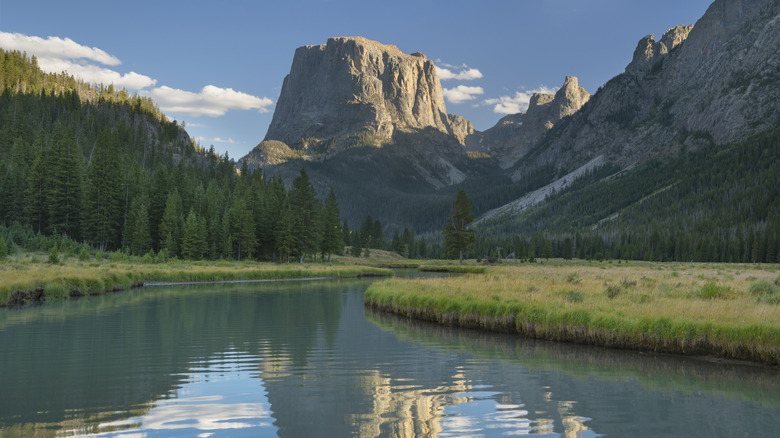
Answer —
725 310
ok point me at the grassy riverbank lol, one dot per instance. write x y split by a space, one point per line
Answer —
731 311
25 279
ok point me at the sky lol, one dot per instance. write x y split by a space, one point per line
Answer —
219 66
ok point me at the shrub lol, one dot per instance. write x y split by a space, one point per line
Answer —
763 290
573 296
148 258
626 283
3 249
162 256
613 291
574 278
712 291
54 257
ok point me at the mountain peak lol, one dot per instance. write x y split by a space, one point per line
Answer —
649 51
355 89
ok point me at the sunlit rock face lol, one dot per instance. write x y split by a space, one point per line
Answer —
352 87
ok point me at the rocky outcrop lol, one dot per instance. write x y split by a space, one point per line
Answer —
356 90
715 82
649 52
513 136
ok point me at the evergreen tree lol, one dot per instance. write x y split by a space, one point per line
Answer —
240 234
378 241
568 248
214 213
408 248
65 197
347 235
104 195
158 197
356 248
286 237
192 241
367 232
37 187
547 251
273 225
331 234
172 224
458 236
138 239
304 207
422 248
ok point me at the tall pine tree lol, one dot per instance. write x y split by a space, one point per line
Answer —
458 235
65 198
331 234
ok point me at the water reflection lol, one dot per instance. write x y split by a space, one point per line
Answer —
222 396
306 359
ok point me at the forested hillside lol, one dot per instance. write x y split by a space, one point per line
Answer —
105 169
720 203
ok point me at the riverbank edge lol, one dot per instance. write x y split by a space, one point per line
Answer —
89 284
658 335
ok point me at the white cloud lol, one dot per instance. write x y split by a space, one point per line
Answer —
213 140
517 103
464 75
95 74
54 47
211 101
56 55
461 93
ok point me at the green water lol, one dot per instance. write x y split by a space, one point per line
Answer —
305 359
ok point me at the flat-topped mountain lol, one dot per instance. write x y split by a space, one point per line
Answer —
353 89
370 121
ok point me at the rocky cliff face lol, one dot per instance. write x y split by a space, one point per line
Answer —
512 137
715 82
369 121
353 89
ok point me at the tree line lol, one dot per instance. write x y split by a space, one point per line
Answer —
717 204
99 166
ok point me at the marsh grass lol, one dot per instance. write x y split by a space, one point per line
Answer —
24 280
694 311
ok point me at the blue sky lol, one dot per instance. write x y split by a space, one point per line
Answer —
219 66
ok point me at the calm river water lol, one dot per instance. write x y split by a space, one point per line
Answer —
305 359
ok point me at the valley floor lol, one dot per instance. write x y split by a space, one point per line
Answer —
725 310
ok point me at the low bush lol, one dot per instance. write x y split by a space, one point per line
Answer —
713 291
765 291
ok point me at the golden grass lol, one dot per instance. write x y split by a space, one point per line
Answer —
23 279
686 308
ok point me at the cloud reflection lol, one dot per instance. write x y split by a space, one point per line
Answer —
193 413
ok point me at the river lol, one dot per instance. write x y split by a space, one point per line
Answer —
306 359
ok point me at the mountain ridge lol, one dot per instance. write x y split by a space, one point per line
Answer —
711 83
